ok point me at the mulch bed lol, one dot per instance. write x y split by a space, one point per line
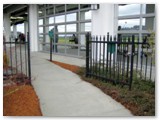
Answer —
19 97
72 68
20 101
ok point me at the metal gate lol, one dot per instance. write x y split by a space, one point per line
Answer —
118 60
16 60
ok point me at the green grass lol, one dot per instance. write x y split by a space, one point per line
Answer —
140 100
64 41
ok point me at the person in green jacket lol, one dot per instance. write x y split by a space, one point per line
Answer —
53 36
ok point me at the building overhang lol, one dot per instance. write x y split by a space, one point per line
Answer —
18 12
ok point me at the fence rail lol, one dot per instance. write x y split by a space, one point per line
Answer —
16 58
118 60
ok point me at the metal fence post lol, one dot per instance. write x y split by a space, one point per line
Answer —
29 63
87 54
51 48
132 60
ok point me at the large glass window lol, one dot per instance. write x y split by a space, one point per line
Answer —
41 6
48 28
50 11
85 27
85 15
71 17
60 19
47 40
61 28
41 13
147 23
41 37
40 22
60 8
140 23
71 7
41 30
129 9
129 24
69 38
72 22
71 27
148 8
51 20
61 38
82 6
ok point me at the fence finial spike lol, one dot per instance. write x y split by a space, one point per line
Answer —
110 37
103 37
114 37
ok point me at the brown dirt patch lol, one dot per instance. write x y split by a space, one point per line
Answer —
20 101
72 68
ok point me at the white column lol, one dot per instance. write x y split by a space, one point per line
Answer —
33 27
7 26
103 21
15 31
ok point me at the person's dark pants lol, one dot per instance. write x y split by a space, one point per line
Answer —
56 50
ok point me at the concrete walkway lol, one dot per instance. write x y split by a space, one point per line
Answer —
63 93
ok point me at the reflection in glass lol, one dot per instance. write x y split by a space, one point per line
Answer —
49 5
41 6
71 7
68 38
71 17
125 36
40 22
148 23
71 27
48 28
60 19
148 8
85 6
61 49
61 28
61 38
60 8
85 15
47 39
41 37
129 9
85 27
82 41
49 11
41 13
51 20
129 24
40 29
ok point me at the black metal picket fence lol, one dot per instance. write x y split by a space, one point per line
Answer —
16 58
118 60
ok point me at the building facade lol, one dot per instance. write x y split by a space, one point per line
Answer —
75 20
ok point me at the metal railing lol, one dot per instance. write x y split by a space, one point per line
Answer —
118 60
16 58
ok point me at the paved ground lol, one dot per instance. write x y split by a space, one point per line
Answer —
63 93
